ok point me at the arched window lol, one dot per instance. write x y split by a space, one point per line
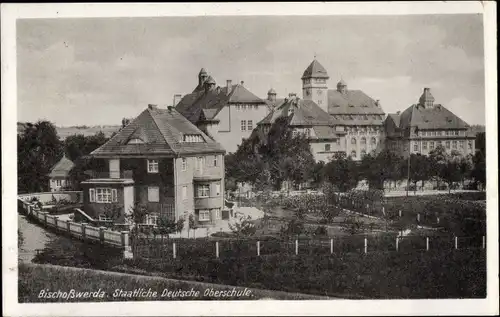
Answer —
353 141
363 153
363 141
374 141
353 154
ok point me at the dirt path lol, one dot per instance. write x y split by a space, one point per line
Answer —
35 238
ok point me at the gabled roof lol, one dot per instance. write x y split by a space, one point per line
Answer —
192 105
396 118
315 70
162 131
352 102
62 168
437 117
300 113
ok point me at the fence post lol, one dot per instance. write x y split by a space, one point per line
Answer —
55 222
331 246
383 210
174 250
101 234
366 245
68 226
397 243
258 248
427 243
45 218
418 217
83 231
127 250
296 247
216 249
484 242
400 213
456 242
437 219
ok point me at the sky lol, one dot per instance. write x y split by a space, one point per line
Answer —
95 71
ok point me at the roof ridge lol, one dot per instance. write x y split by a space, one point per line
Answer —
161 133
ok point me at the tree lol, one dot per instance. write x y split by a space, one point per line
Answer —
342 172
244 227
136 215
317 175
450 173
478 172
112 212
165 225
39 149
437 160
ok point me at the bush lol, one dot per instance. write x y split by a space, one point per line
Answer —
321 231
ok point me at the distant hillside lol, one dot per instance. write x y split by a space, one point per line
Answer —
108 130
478 128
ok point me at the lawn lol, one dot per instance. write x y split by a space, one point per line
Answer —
36 282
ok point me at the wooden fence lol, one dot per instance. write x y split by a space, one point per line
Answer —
186 248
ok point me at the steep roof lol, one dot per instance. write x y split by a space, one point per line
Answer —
315 70
191 105
352 102
162 131
62 168
300 113
396 118
437 117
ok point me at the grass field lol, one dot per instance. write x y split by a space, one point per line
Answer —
37 282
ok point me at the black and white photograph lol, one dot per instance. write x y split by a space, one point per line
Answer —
329 157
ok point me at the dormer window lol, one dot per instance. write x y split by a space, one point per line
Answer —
193 138
135 141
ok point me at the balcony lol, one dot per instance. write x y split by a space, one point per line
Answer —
208 202
128 174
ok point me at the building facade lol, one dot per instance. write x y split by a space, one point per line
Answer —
227 114
163 162
335 120
59 177
424 126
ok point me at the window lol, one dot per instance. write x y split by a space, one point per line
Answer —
215 160
153 194
218 214
353 154
415 147
244 107
199 163
456 132
104 218
447 132
363 153
431 145
439 143
447 144
249 125
135 141
203 191
424 145
204 215
256 107
184 192
237 107
152 166
363 141
104 195
374 141
58 182
438 133
454 144
470 145
353 141
151 220
462 144
92 195
327 147
217 189
243 125
184 164
193 138
338 141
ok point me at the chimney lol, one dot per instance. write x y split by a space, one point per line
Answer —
377 103
152 107
292 94
177 99
398 113
242 82
170 108
229 85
